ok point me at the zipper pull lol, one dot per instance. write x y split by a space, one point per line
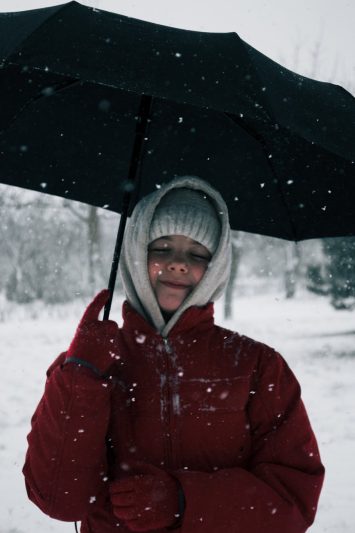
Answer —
167 345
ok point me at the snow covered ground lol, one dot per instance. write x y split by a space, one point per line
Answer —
317 341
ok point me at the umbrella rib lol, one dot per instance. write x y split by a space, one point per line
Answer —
62 86
243 124
261 140
284 201
59 9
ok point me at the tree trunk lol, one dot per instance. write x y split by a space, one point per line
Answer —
292 253
228 300
94 256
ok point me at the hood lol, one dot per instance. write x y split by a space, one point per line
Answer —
134 256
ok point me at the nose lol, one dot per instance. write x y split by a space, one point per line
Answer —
177 264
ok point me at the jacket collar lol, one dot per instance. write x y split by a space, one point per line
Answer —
197 318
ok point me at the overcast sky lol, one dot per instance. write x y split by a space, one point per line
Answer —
288 31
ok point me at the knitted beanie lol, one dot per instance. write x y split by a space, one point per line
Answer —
186 212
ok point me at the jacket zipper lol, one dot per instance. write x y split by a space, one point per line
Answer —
168 434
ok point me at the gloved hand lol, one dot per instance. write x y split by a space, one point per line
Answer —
96 342
146 499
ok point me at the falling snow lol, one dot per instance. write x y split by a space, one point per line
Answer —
315 339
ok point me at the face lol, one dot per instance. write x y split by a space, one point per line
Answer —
176 264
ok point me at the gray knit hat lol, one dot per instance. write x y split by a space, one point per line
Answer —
187 212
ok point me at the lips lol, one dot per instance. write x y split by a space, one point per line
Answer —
174 284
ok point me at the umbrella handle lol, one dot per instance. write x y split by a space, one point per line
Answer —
131 190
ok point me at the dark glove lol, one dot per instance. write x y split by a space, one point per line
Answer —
96 342
147 499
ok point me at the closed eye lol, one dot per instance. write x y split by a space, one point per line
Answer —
200 257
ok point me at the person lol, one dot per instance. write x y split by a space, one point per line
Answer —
172 422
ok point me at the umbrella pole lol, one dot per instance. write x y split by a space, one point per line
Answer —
131 190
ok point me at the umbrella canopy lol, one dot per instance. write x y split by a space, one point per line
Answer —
279 147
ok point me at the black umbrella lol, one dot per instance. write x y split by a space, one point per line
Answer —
91 101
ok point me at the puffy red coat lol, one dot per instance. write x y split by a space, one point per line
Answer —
220 411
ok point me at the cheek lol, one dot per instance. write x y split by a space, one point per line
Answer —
198 272
154 269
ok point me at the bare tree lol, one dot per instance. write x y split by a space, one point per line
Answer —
91 221
236 255
292 268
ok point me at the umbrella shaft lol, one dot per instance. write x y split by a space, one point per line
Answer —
131 190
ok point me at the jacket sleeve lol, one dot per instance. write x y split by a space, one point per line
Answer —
279 489
66 466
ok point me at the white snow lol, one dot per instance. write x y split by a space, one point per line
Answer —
316 340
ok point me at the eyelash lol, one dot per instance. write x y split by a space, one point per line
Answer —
195 256
200 257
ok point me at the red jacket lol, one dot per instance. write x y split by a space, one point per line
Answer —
220 411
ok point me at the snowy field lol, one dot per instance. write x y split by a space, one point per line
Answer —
317 341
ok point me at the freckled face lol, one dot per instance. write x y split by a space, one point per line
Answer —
176 264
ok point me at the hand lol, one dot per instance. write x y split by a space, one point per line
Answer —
96 342
147 499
